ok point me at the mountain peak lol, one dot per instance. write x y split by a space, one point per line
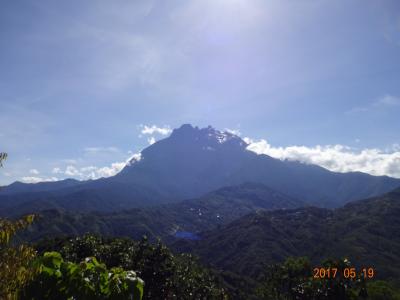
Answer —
185 129
190 139
207 134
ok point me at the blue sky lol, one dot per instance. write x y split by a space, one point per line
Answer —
80 80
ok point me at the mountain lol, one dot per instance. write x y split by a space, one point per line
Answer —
190 163
185 218
194 161
20 187
96 195
367 232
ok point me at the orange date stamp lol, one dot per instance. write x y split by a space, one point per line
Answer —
348 273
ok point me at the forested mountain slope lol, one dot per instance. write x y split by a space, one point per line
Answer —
165 221
188 164
367 232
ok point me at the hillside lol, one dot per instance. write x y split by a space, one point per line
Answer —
187 217
188 164
367 232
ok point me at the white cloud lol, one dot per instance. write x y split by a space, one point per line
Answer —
248 140
85 172
72 171
34 171
35 179
56 171
88 169
386 101
93 172
233 131
134 158
96 150
338 158
110 171
154 129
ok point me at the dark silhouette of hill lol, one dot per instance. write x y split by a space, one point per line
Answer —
165 221
367 232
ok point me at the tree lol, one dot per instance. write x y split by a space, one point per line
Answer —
23 275
16 262
281 281
381 290
87 280
3 157
294 280
166 275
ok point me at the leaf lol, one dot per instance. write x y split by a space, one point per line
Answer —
29 218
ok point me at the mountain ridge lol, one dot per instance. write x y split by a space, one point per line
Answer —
191 162
367 232
164 221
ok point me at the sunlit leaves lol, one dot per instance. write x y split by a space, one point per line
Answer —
87 279
16 268
166 276
9 228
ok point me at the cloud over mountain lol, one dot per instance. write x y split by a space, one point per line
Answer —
155 129
338 158
36 179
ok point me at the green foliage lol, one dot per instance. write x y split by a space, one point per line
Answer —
16 268
217 208
89 279
3 157
15 261
381 290
167 276
294 280
367 232
282 281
